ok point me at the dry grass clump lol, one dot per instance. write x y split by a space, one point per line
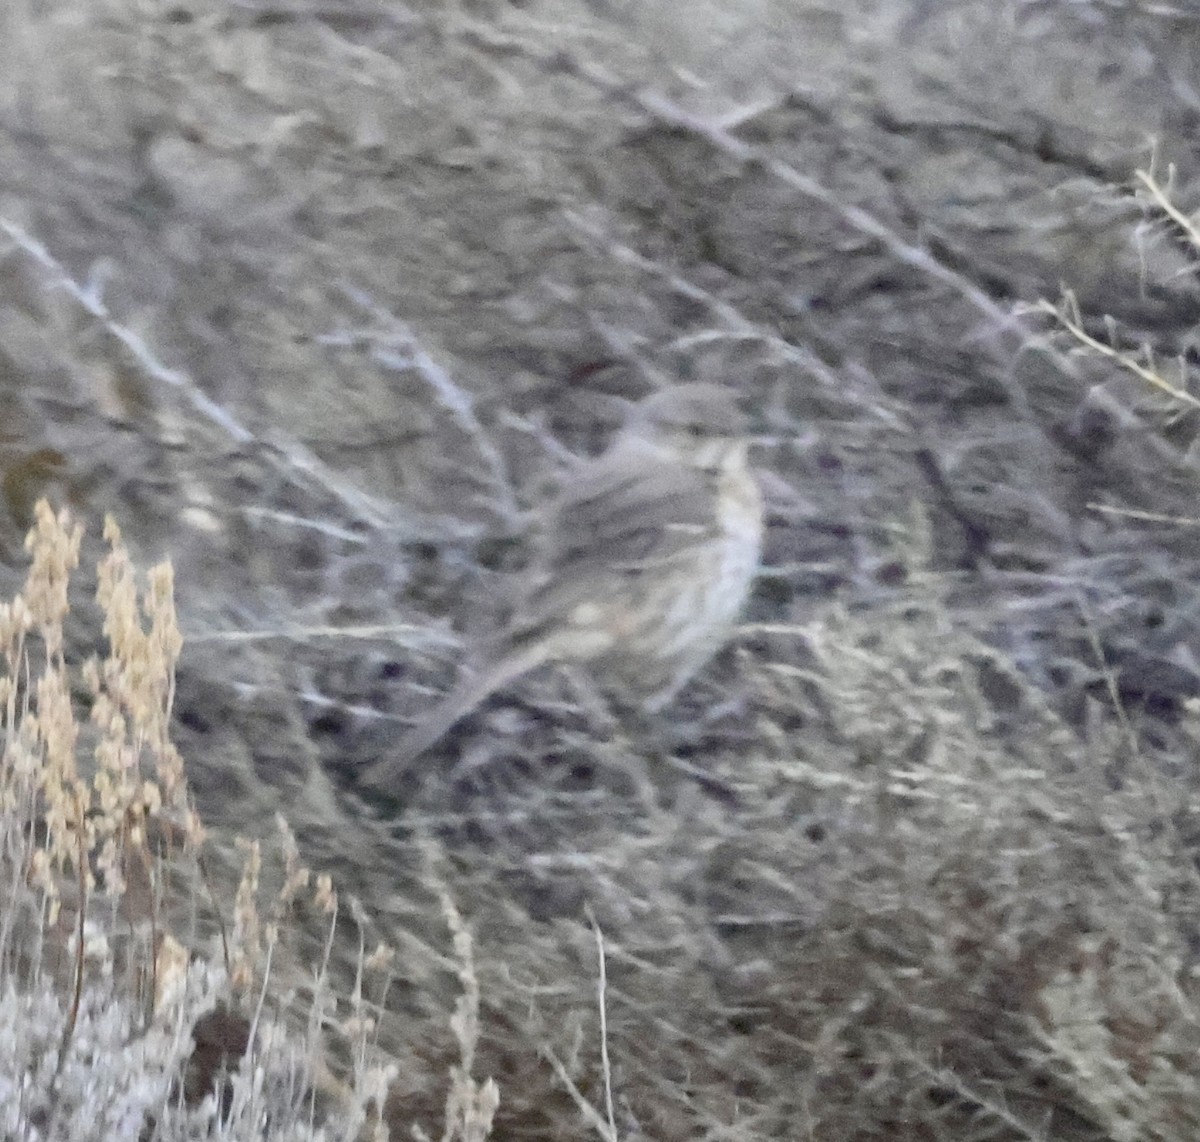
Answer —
100 1000
129 1007
921 907
994 933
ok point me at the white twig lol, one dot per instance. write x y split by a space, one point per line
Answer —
288 455
408 634
397 347
601 1002
588 1111
290 519
737 325
89 298
671 114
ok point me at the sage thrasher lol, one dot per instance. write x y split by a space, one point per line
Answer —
643 563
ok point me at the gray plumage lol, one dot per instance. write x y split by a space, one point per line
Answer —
640 566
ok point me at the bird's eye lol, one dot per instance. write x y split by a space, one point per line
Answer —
695 431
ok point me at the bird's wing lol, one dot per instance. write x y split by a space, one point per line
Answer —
628 512
615 519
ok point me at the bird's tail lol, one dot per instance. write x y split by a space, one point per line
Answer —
464 698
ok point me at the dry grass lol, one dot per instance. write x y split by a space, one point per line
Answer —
922 912
119 1019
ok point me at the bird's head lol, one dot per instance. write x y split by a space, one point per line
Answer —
698 423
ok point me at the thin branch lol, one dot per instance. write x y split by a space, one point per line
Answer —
90 300
402 350
288 455
1159 196
589 1112
737 325
1067 314
602 1004
1144 516
409 635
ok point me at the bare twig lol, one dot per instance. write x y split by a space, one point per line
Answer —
407 634
602 1004
1161 199
736 324
288 455
1068 315
397 347
594 1118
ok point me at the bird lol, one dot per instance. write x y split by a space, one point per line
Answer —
642 563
